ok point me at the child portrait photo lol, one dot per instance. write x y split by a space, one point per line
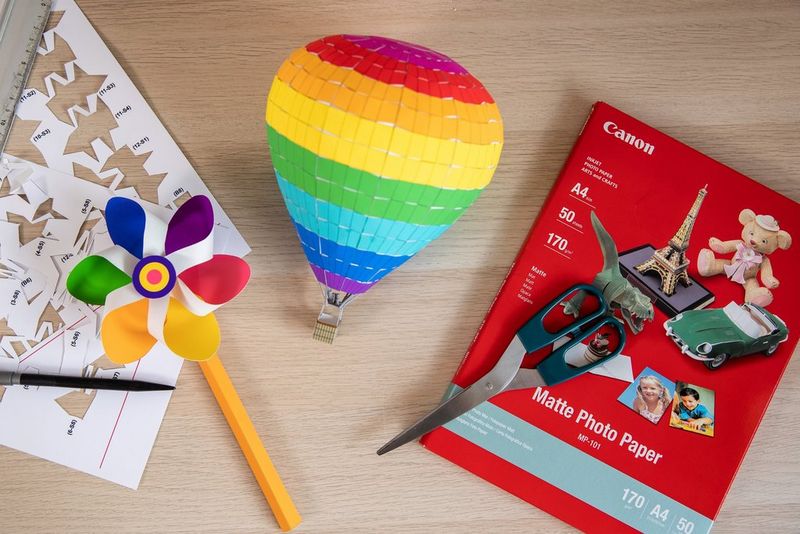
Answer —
650 395
693 409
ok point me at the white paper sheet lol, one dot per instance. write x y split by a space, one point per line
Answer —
105 433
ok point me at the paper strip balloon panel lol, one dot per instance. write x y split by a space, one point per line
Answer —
378 147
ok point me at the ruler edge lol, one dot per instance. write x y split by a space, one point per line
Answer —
5 131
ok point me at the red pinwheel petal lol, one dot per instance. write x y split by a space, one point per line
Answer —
217 280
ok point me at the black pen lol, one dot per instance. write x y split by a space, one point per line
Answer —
8 378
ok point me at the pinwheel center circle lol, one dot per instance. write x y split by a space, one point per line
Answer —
154 277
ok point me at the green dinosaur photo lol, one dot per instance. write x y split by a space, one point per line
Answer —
632 304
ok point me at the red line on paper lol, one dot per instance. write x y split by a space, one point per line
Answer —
124 400
40 347
581 200
557 252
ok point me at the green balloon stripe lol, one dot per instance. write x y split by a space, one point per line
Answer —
94 278
364 192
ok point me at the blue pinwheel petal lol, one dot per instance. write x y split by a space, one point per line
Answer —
125 220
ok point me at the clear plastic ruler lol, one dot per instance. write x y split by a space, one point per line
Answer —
21 25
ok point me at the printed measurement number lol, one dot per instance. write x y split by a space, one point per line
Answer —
566 214
556 241
638 500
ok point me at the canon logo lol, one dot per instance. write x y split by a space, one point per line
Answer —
628 137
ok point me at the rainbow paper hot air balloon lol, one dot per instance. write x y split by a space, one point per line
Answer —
378 147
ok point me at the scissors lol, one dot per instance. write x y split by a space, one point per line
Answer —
508 373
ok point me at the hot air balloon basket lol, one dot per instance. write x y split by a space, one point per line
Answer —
331 314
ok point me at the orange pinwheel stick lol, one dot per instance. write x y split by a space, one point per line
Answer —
257 457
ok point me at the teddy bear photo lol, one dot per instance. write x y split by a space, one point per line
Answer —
761 236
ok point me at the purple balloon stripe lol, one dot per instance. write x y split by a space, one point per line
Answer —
410 53
335 281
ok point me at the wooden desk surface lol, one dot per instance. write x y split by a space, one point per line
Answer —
723 77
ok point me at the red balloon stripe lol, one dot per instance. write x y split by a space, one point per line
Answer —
338 51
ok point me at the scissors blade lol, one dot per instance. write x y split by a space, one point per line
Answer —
527 379
495 381
444 413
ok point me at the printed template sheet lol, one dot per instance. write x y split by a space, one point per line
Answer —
87 135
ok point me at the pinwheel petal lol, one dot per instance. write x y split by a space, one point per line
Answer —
219 279
126 220
192 223
188 335
94 278
124 332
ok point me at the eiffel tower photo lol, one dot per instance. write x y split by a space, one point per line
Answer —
670 262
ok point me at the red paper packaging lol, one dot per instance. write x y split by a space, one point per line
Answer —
622 459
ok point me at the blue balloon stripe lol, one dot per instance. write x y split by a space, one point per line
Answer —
348 228
358 265
352 229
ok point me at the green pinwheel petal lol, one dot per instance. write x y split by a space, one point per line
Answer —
94 278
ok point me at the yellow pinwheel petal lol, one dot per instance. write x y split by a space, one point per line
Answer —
188 335
124 332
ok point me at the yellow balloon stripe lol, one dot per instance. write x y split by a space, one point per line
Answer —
351 91
379 148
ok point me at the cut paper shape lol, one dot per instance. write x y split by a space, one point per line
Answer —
77 402
50 320
85 173
53 20
28 231
88 225
48 63
131 171
46 208
181 200
19 140
75 94
97 125
104 364
5 330
378 147
140 280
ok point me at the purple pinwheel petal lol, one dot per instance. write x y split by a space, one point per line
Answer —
192 223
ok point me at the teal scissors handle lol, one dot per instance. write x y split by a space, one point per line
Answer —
554 368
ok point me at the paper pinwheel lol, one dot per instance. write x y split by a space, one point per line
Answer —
161 282
378 147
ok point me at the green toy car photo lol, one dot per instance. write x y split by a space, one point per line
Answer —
714 336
